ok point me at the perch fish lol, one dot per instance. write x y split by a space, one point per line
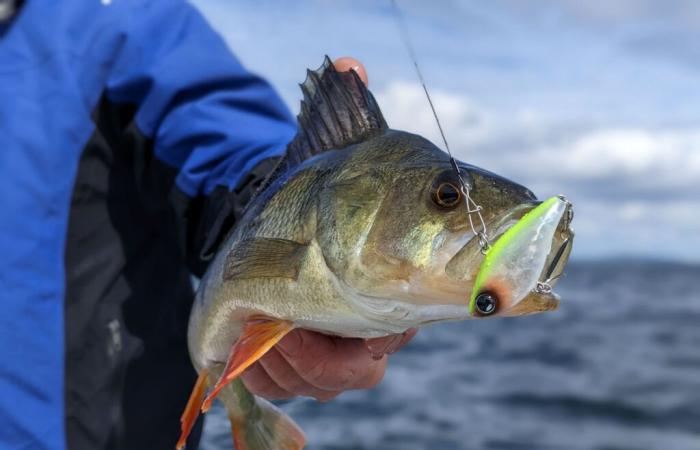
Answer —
362 231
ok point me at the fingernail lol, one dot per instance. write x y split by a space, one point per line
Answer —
377 356
394 345
405 337
374 349
380 347
290 345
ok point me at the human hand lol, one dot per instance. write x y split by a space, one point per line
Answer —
347 63
312 364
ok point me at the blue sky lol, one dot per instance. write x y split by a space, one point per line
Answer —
596 100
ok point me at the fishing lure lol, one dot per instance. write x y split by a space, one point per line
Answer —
512 267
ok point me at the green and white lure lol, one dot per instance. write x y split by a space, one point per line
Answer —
516 265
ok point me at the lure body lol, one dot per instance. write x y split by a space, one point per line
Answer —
516 265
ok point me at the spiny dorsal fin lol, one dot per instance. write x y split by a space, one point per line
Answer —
337 110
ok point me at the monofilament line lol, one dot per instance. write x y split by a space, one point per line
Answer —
472 207
411 52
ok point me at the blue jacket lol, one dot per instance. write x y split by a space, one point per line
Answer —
205 116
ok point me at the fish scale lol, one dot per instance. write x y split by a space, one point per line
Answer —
361 232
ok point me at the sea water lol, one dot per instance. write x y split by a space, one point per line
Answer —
617 366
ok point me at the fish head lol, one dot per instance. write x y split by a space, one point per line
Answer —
398 229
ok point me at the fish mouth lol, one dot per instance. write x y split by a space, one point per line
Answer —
529 248
520 268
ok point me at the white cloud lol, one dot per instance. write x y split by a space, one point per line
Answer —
557 100
678 14
469 127
405 106
611 174
640 156
649 228
643 158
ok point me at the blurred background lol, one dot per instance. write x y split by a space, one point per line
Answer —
595 100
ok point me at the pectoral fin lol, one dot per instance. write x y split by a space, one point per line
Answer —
259 335
265 258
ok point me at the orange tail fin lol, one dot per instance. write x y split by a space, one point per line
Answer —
189 416
259 335
266 429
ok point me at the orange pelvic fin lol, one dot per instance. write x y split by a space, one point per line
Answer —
189 416
259 335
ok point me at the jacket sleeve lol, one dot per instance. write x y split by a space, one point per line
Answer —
207 116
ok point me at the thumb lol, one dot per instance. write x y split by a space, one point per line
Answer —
346 63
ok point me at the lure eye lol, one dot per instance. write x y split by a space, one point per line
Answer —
447 195
486 304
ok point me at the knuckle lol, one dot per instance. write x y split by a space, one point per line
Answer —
375 376
283 375
294 385
265 388
294 344
256 385
332 375
317 373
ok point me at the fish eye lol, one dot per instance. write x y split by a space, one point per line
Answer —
447 195
486 304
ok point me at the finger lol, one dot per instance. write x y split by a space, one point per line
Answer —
389 344
284 375
374 376
257 380
331 363
347 63
406 338
378 347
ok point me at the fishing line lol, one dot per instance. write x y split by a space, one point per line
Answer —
472 207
